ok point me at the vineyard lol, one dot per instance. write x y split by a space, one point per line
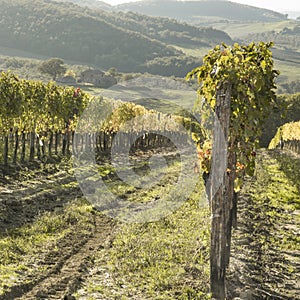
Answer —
34 113
218 221
288 136
39 121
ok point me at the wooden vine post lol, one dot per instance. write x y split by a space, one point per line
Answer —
220 200
237 87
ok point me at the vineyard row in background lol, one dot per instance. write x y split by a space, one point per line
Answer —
293 145
38 120
287 136
29 146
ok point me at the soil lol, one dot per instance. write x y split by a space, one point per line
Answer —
259 268
59 268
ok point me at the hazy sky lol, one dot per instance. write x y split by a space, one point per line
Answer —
277 5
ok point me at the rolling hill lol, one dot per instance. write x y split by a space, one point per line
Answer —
94 4
127 41
286 53
196 11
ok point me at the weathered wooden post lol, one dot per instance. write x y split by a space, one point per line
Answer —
237 83
32 140
5 150
220 198
23 148
16 147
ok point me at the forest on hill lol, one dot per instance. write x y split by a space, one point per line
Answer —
136 43
130 42
94 4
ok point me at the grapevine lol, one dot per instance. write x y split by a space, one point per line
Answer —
237 85
288 132
249 72
36 108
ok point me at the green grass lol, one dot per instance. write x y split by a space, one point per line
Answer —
167 259
240 30
195 51
290 170
172 100
266 243
19 54
288 71
276 194
18 246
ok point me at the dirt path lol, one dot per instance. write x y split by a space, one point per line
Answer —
55 272
22 200
265 262
66 264
69 264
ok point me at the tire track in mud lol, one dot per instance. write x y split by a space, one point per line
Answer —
67 273
67 264
65 261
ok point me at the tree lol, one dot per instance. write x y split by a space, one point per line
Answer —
70 73
113 71
53 67
238 85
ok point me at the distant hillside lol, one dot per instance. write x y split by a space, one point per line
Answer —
90 4
193 11
287 43
130 42
167 30
293 14
286 53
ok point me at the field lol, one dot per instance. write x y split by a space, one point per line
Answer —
288 71
241 30
53 242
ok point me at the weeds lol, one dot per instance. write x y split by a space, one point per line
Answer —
18 246
167 259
